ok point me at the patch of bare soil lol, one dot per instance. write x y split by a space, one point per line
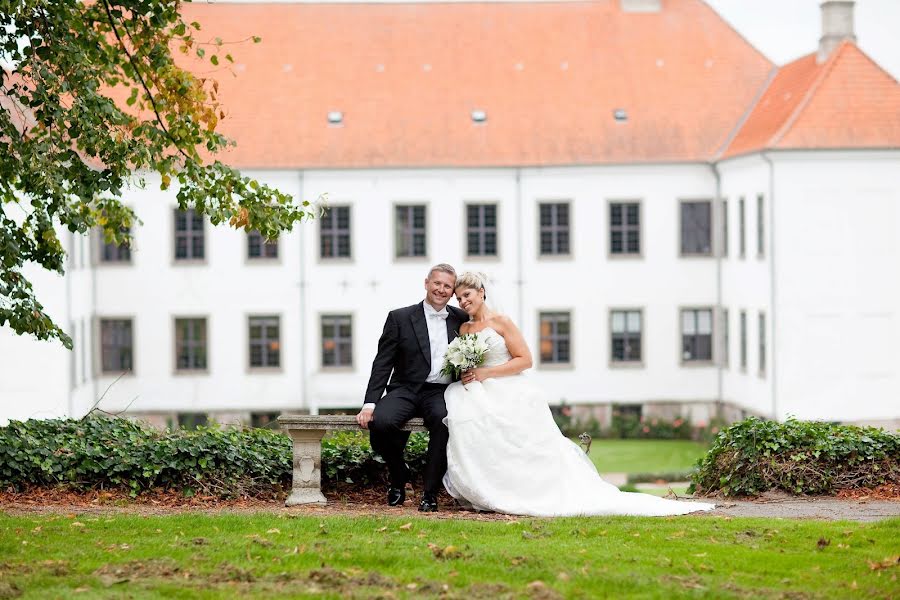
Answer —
859 505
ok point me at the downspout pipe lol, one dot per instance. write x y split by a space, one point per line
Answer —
519 273
719 247
305 402
773 363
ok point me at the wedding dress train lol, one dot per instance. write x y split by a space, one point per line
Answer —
506 454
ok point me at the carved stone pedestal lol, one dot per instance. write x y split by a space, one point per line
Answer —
306 486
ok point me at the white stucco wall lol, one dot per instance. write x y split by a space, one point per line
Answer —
838 285
830 353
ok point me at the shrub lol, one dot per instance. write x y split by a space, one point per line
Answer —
753 456
116 453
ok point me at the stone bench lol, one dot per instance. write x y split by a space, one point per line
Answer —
307 432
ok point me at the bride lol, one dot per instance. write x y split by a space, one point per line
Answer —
506 454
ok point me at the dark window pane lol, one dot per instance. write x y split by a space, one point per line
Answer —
472 244
615 241
562 246
633 245
632 214
615 214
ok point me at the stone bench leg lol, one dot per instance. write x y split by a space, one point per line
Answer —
306 487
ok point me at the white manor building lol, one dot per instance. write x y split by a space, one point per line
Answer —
675 223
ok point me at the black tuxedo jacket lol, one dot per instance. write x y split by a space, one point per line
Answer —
405 350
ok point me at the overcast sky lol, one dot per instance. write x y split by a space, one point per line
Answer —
786 29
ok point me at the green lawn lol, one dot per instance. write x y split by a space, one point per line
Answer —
272 555
645 456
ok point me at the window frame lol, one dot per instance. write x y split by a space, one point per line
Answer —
700 362
263 244
710 253
336 232
99 367
395 225
570 204
207 345
550 365
613 363
189 260
482 230
251 368
640 229
321 326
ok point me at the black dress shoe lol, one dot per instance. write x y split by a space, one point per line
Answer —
428 504
396 496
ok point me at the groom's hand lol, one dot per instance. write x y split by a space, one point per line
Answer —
365 417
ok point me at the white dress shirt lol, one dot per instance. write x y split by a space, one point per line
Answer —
437 337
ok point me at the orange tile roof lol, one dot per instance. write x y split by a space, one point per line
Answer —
847 101
548 75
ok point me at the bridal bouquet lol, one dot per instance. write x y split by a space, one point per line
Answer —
464 353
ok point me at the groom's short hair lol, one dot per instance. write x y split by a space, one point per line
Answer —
444 268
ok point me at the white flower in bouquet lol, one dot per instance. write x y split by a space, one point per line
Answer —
464 353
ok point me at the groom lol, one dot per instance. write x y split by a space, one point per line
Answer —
412 346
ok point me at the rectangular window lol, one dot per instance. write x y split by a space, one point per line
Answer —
266 420
762 344
760 227
337 341
624 228
744 340
190 344
725 335
265 341
110 252
116 345
410 232
625 329
696 238
696 334
189 244
555 342
742 229
554 228
481 229
725 228
260 247
334 233
192 420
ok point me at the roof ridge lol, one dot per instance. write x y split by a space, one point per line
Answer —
810 93
773 72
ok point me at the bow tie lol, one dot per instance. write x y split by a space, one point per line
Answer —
430 312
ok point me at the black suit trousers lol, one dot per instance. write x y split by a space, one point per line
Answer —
392 412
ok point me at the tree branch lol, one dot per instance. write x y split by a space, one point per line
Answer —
140 77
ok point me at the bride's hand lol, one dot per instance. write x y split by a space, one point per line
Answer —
471 375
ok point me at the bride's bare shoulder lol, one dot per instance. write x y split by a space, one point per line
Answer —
502 323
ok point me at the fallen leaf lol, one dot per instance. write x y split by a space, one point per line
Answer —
822 543
406 527
885 564
77 524
274 530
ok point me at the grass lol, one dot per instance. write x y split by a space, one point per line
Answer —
275 555
645 456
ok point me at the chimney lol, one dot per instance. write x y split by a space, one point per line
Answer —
837 26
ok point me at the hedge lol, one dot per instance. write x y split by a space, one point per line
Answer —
116 453
799 457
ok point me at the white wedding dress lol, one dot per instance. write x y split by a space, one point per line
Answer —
507 455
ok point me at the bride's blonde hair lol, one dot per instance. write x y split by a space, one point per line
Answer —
472 280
